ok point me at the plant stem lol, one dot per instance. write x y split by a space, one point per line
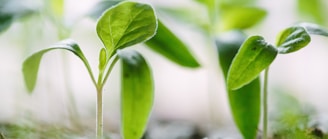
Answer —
265 104
99 119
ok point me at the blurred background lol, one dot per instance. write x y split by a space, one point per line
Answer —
64 93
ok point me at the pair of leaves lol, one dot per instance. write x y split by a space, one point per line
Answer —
244 102
123 25
255 55
164 42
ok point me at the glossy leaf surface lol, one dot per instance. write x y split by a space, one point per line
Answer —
292 39
136 94
244 102
126 24
167 44
315 29
32 63
253 57
240 17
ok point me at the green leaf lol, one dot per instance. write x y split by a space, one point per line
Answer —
253 57
102 59
167 44
228 45
314 9
126 24
136 95
315 29
292 39
240 17
244 102
31 64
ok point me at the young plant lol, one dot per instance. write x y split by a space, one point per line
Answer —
256 55
121 26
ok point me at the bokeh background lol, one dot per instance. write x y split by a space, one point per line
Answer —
194 95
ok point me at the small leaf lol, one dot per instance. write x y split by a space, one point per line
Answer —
240 17
292 39
167 44
244 102
252 58
31 64
315 29
102 59
136 94
126 24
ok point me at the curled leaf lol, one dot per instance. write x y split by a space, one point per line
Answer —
292 39
252 58
32 63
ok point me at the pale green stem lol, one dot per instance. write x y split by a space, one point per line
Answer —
265 104
100 123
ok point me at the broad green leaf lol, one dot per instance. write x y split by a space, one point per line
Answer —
126 24
292 39
244 102
314 9
315 29
102 6
252 58
167 44
136 95
240 17
31 64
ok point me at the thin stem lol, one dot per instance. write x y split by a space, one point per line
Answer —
100 123
265 104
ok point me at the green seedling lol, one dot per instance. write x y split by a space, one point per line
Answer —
224 16
121 26
256 55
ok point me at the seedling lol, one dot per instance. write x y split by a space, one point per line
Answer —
121 26
256 55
